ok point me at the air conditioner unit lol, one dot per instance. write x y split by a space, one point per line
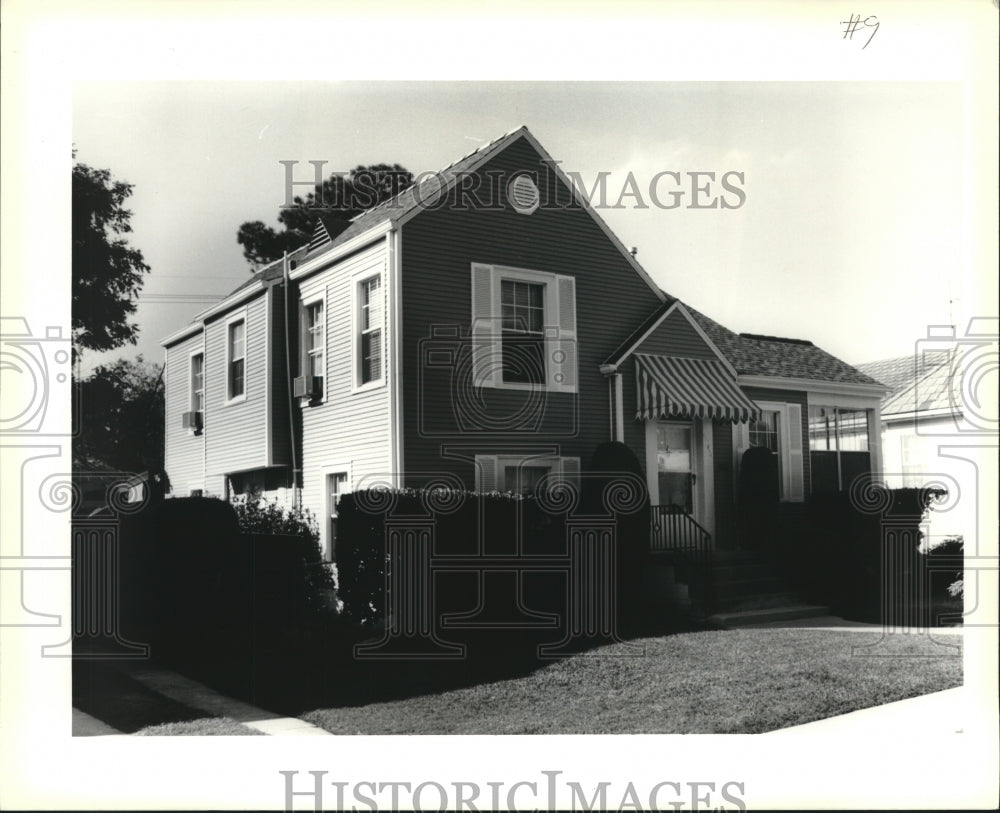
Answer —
308 386
191 420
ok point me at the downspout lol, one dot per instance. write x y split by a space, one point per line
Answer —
288 383
615 401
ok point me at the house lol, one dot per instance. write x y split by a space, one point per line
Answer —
923 413
484 329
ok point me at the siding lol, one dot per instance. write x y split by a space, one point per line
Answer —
184 451
348 427
235 437
675 336
438 247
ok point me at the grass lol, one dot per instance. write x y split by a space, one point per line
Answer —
207 726
741 681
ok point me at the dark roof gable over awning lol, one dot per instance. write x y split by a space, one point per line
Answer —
694 388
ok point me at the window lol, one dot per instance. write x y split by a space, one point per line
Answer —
523 329
838 446
198 382
779 429
524 479
523 475
314 340
237 359
370 322
336 484
765 432
522 312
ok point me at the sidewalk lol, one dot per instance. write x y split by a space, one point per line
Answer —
198 696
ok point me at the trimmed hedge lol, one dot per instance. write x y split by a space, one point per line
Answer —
194 584
851 542
362 560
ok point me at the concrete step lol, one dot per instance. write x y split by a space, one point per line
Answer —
788 612
755 601
741 572
748 587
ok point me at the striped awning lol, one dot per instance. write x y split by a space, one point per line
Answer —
693 388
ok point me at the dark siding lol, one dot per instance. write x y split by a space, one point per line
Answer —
438 247
790 397
676 337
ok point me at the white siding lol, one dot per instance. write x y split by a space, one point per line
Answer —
351 427
185 451
235 435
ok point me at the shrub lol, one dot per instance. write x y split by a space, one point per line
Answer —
362 560
947 553
259 516
847 545
615 463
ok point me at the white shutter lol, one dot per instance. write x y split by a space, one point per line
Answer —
486 349
562 348
796 479
486 473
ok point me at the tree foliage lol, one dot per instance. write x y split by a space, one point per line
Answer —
107 271
342 196
121 418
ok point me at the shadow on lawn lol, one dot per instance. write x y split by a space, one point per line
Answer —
290 675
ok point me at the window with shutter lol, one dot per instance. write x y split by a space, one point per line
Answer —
523 329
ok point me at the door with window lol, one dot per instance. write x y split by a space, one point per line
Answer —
675 466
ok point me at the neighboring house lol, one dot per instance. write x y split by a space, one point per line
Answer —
922 412
485 329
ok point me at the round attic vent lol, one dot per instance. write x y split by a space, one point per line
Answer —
523 194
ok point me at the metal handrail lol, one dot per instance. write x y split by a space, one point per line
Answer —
675 531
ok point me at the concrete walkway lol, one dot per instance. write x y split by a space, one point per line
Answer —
198 696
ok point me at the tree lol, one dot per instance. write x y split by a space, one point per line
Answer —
121 418
107 271
344 196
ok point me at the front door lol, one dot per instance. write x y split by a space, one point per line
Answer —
675 466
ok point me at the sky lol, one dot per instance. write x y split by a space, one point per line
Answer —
852 234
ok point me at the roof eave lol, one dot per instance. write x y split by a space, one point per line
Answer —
321 261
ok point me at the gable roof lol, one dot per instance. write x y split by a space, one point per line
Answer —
896 373
928 388
412 200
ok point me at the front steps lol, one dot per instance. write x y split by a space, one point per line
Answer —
737 588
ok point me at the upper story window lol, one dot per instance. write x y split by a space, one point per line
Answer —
314 340
523 329
838 446
236 362
198 382
522 311
370 328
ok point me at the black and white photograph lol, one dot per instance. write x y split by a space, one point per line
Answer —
464 419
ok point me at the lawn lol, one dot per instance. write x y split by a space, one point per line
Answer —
740 681
207 726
